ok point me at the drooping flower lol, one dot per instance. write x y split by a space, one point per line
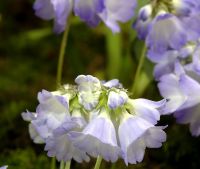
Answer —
52 115
4 167
108 124
90 11
164 25
117 11
135 134
99 138
181 89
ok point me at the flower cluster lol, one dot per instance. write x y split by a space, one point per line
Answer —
95 118
179 82
90 11
164 24
175 48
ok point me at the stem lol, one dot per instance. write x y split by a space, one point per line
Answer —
62 54
113 166
62 165
67 165
139 68
53 163
98 162
114 52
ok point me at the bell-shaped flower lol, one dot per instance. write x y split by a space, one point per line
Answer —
98 138
117 11
165 32
181 91
135 134
60 145
58 10
50 113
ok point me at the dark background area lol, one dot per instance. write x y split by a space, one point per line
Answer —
28 63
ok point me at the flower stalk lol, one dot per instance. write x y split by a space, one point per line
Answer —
67 165
139 68
62 54
98 162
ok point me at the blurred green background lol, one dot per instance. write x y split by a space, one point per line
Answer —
28 63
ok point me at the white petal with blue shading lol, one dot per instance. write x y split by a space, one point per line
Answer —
87 83
146 109
130 129
170 89
98 138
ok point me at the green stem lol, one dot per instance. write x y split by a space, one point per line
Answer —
114 52
53 163
113 166
98 162
62 54
67 165
139 68
62 165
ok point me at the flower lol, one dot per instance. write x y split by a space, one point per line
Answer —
99 138
95 118
89 91
59 10
117 11
181 90
159 39
135 134
4 167
52 117
164 25
90 11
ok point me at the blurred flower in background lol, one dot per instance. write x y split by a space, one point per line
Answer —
91 11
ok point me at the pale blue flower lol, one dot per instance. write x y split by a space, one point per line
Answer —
58 10
117 99
117 11
98 138
50 113
135 134
181 90
166 32
60 145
